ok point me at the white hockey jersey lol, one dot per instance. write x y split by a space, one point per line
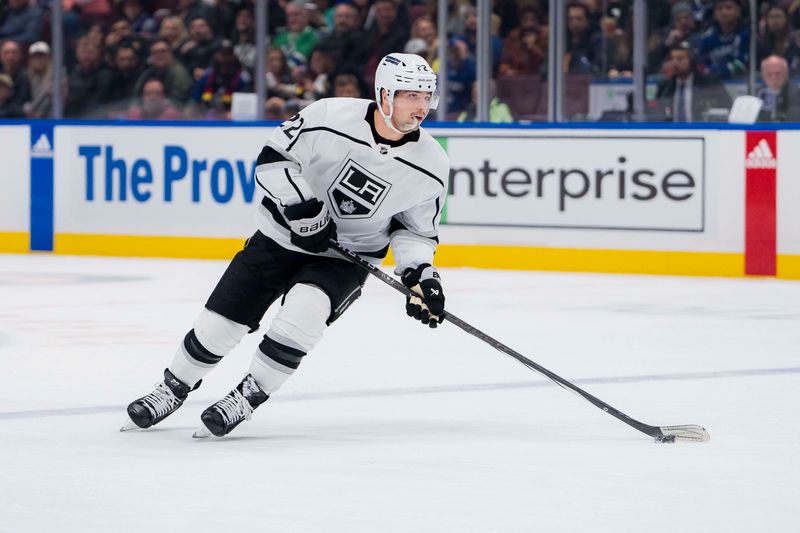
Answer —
379 192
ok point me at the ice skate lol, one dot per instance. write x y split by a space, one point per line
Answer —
159 404
238 405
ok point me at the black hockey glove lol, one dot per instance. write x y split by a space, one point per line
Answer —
428 308
311 225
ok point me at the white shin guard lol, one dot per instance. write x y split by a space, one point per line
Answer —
216 336
297 327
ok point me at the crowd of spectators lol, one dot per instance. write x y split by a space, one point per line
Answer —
185 59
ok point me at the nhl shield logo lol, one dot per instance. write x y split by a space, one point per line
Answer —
356 192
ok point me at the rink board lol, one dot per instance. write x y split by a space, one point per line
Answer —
656 201
14 188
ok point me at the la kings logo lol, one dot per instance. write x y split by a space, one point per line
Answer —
356 192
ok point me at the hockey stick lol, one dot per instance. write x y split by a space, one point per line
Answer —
690 432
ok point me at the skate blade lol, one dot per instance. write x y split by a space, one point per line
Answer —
128 426
201 433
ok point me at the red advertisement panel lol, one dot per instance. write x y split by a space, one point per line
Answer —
761 156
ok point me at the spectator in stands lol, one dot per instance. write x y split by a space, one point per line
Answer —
471 37
244 38
11 65
163 65
525 48
188 10
316 84
725 47
120 32
778 38
142 24
96 34
318 15
213 93
223 17
386 35
21 22
780 99
40 76
687 92
197 52
703 12
683 28
423 31
507 10
298 38
7 107
89 82
346 83
154 104
275 109
346 34
584 44
794 12
461 74
774 36
279 77
618 60
126 68
455 15
498 111
174 32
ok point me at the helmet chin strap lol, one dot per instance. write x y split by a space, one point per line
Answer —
388 118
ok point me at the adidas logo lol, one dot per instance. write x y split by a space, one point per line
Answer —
761 156
42 147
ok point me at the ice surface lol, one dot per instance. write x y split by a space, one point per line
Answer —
390 427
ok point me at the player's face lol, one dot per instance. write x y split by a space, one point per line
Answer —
410 109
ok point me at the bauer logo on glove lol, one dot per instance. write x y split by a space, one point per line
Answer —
311 225
428 307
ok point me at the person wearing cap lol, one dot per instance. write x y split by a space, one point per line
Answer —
683 28
725 47
11 65
41 80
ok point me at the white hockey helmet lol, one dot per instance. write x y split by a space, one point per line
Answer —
403 72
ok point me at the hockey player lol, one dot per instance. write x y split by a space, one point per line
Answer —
353 170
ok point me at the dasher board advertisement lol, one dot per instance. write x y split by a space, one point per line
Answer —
622 182
156 180
14 178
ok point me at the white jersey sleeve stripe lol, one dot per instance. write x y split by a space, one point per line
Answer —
285 185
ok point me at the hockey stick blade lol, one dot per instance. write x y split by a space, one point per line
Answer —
688 433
